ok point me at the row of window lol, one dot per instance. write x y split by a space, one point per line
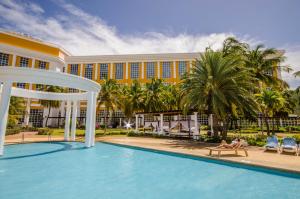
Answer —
134 70
23 62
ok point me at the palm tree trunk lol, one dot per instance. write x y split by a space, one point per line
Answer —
267 125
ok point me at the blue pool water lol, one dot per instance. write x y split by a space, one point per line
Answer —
70 171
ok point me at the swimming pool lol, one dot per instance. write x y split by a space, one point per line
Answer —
70 171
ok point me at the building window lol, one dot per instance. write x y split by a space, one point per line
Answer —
88 73
42 64
36 117
119 70
166 72
73 90
182 68
4 59
74 69
24 62
134 70
39 87
269 72
103 71
82 112
21 85
150 70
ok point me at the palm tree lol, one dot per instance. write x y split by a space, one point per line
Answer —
131 99
171 97
16 109
216 85
108 97
269 102
261 62
153 96
51 103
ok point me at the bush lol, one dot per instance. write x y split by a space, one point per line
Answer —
45 131
12 131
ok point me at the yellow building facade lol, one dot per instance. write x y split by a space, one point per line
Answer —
19 50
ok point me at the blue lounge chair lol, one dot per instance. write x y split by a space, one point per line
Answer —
289 145
272 144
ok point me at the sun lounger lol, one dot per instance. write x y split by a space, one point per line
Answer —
289 145
219 150
272 144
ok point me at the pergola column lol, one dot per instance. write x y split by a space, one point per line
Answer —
74 120
211 123
90 119
27 113
94 114
196 131
67 121
4 106
161 123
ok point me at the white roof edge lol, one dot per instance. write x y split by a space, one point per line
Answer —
127 57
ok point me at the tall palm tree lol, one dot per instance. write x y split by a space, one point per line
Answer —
171 97
153 96
269 101
51 103
261 62
216 84
108 97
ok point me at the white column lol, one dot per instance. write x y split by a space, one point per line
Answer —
67 121
94 112
4 106
158 70
136 122
27 113
196 131
161 123
74 121
89 118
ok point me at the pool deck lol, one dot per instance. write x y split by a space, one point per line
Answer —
257 156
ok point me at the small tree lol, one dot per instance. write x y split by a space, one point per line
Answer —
51 103
269 102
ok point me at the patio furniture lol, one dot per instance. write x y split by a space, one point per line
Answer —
289 145
272 144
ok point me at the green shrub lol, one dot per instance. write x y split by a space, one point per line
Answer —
12 131
45 131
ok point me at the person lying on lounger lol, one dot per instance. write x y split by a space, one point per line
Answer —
233 145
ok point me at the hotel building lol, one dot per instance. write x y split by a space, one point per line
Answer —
19 50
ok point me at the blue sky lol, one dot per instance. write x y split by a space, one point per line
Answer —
150 26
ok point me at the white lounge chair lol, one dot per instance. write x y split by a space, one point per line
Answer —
289 145
272 144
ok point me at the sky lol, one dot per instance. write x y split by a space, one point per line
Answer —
95 27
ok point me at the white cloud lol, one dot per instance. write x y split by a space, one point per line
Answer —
293 59
83 34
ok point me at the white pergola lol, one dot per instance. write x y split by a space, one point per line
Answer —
9 75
